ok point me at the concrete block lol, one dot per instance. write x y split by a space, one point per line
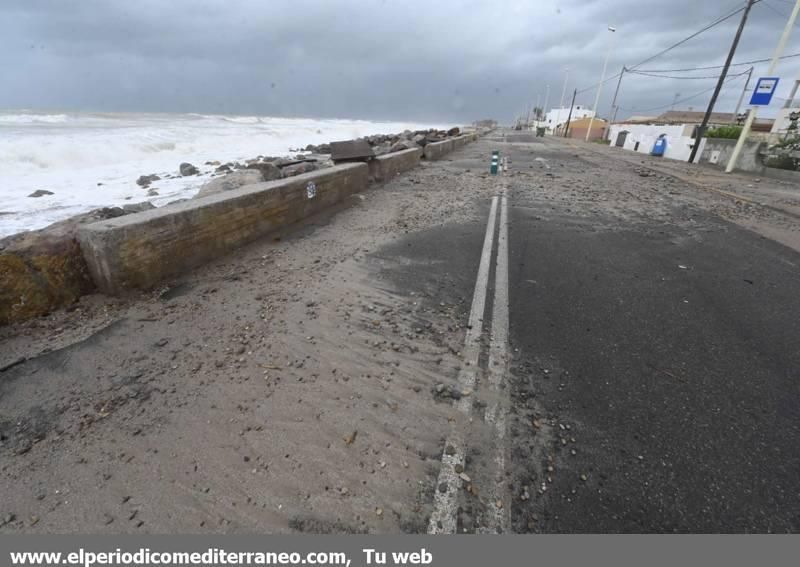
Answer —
460 141
437 150
388 166
43 270
40 273
141 250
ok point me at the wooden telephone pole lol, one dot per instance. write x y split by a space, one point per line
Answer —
702 129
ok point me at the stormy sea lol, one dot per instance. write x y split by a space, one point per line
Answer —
56 165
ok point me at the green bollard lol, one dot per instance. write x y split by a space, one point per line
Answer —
495 162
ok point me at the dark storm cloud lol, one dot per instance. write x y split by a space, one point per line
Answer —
444 60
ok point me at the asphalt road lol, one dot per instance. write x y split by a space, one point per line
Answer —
671 354
654 353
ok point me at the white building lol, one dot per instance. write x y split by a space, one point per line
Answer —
558 116
781 126
642 137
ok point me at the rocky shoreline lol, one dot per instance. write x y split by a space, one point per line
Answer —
233 174
52 254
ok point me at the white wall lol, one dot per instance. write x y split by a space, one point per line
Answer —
558 116
679 145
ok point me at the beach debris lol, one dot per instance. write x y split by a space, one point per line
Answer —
41 193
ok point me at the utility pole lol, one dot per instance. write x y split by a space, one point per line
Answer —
751 116
569 117
613 112
546 98
702 129
564 89
612 29
741 96
674 101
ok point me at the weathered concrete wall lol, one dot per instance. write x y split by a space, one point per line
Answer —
460 141
388 166
141 250
749 158
45 270
438 149
41 273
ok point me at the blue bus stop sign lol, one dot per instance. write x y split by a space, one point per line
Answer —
765 88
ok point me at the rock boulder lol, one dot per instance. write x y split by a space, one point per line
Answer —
43 270
145 180
269 171
40 193
229 182
298 168
188 169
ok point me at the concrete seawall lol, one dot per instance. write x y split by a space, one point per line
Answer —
139 251
388 166
437 150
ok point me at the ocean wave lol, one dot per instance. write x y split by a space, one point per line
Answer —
89 160
33 118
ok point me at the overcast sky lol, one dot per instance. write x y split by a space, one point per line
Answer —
442 60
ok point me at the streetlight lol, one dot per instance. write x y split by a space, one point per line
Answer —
612 29
546 99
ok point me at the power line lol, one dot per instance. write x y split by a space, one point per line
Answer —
774 9
600 84
672 76
694 35
690 97
670 48
755 61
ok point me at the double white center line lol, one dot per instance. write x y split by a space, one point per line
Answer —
443 519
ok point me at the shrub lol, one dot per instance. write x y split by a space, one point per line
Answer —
781 162
728 132
792 144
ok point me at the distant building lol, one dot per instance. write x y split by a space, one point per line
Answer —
781 126
578 129
716 119
557 117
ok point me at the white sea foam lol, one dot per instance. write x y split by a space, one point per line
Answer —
91 160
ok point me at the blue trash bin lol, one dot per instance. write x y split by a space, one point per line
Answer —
659 147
